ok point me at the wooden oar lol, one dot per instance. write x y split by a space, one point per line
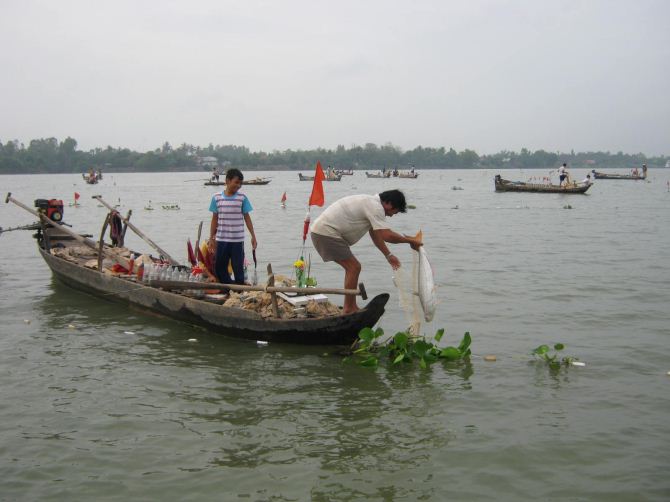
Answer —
138 232
270 289
84 240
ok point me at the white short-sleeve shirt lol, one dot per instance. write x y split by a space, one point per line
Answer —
351 217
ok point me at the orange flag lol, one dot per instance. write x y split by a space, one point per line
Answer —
76 196
317 198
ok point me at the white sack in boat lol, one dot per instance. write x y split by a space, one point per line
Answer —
426 286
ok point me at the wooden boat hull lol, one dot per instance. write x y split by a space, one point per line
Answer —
245 182
233 322
502 185
311 178
613 176
373 175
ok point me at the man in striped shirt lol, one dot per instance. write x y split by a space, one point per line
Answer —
230 212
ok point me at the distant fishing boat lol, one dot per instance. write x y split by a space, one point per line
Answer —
502 185
635 175
92 177
332 177
380 174
254 181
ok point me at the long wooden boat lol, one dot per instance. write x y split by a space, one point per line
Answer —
253 181
616 176
343 172
332 177
87 272
408 174
502 185
387 174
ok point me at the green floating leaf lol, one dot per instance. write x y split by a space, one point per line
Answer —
400 339
450 353
465 343
542 349
399 358
366 334
370 362
559 346
439 334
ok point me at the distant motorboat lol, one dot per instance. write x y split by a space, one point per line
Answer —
502 185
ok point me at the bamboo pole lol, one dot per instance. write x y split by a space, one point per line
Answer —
84 240
245 287
138 232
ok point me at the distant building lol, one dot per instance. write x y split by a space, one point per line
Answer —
208 161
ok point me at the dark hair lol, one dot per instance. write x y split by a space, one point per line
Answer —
234 173
396 198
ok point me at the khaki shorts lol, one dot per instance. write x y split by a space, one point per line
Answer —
331 248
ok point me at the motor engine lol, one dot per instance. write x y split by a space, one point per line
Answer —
52 208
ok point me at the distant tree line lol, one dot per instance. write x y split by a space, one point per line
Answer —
48 155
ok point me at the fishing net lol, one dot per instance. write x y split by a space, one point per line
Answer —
408 295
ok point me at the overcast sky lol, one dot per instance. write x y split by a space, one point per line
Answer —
302 74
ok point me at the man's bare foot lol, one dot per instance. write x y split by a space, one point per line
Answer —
350 310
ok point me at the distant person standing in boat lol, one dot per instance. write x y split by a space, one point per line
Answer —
215 174
587 180
230 212
348 219
562 174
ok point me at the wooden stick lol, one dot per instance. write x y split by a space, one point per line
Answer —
139 232
84 240
273 295
246 287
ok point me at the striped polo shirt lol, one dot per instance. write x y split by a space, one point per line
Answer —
231 211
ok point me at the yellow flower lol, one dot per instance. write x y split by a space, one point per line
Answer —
299 264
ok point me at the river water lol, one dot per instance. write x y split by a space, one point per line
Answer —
99 401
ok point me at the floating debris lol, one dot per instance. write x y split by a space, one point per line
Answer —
490 358
128 332
27 321
261 343
192 339
71 326
567 206
578 363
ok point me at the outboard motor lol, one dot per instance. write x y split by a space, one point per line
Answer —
52 208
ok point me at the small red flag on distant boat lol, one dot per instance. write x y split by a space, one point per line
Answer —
76 196
283 198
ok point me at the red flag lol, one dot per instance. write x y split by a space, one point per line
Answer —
76 196
191 255
283 197
317 198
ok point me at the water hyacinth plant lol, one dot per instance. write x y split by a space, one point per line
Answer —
545 353
405 348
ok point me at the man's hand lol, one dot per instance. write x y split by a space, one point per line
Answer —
254 244
393 261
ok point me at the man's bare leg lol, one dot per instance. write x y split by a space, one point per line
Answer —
352 269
